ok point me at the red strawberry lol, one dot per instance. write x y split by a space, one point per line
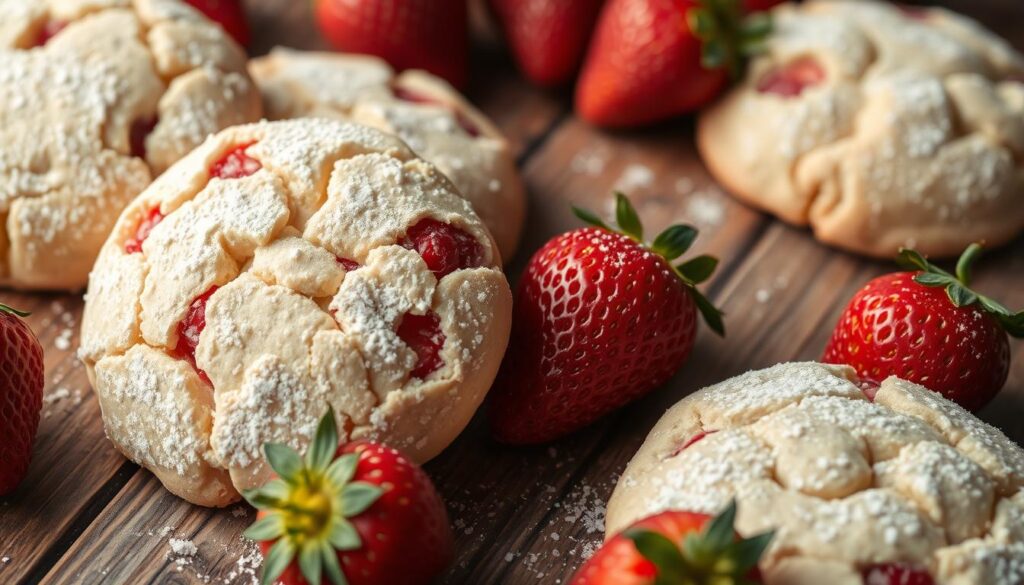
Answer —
21 396
230 14
600 319
896 574
444 247
408 34
677 547
928 327
361 513
653 59
547 38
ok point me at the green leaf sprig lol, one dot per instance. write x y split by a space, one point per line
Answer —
728 35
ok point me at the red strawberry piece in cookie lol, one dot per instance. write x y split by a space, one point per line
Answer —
928 327
444 247
190 328
21 396
792 79
423 334
235 164
896 574
360 513
149 221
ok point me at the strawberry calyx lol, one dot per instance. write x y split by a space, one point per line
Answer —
958 286
713 556
12 311
670 245
727 34
308 506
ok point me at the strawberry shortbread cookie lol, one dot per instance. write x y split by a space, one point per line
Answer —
96 98
879 126
860 483
278 268
437 122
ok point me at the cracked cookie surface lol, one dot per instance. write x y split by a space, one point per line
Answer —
878 127
96 98
847 483
423 110
277 269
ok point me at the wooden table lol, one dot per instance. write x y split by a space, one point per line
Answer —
86 515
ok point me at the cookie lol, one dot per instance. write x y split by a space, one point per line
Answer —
426 112
879 127
97 98
847 484
280 268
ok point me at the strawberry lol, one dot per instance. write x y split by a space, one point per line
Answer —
928 327
601 318
547 38
361 513
408 34
677 548
896 574
21 396
229 14
653 59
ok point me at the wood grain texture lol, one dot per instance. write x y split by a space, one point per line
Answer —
521 515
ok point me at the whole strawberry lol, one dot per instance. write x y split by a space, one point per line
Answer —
359 513
653 59
547 38
928 327
600 319
677 548
21 396
230 14
408 34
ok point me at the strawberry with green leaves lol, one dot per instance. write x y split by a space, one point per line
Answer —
677 548
928 326
356 514
601 318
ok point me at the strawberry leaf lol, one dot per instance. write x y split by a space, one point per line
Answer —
325 442
590 218
719 533
702 23
698 269
712 316
960 295
675 241
748 552
309 562
626 217
358 496
278 559
1013 324
270 496
344 536
913 260
331 566
932 279
343 469
266 528
713 55
5 309
660 551
283 460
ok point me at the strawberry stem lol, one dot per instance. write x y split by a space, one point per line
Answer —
727 36
12 311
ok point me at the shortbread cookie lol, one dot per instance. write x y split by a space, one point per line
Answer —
848 483
280 268
879 127
426 112
96 98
